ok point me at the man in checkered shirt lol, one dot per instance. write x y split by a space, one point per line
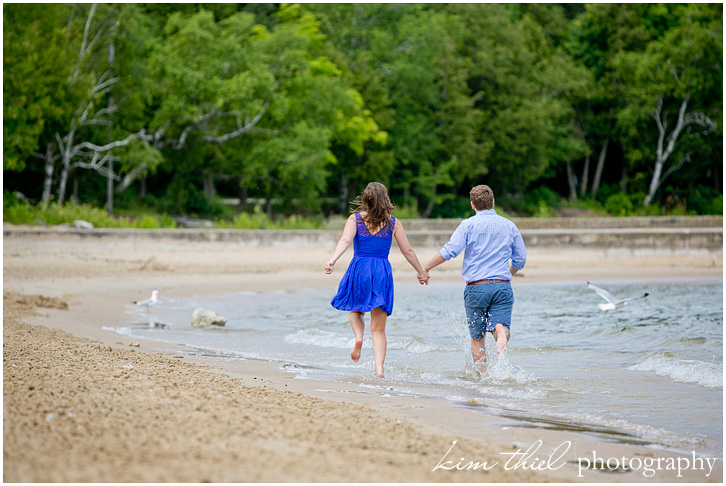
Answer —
493 252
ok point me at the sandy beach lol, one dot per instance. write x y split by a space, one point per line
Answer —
82 404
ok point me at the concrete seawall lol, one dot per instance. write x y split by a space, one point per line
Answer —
625 241
578 223
673 238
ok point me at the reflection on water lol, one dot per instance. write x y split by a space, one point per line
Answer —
632 374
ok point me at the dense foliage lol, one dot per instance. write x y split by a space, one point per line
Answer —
175 108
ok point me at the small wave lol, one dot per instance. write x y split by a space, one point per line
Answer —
693 341
416 345
512 392
317 337
709 375
124 331
327 339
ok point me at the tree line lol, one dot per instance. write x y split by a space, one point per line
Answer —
176 106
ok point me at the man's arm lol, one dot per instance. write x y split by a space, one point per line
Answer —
456 245
519 253
434 262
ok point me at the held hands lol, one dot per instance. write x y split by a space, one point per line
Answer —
423 279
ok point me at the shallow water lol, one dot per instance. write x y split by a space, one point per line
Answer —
649 373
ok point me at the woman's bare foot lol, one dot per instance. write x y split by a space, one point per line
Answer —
500 336
355 354
379 374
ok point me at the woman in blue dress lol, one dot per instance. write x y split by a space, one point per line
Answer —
367 285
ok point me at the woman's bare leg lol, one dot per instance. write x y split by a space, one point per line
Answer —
357 324
378 331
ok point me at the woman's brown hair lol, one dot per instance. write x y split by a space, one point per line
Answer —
377 205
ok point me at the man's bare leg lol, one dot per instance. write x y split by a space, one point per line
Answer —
501 336
357 324
479 355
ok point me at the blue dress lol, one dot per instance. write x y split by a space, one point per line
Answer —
368 282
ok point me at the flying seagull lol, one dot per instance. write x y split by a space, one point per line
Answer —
612 302
150 301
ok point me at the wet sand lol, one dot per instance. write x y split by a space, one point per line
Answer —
84 404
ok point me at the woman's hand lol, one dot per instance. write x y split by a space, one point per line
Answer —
423 279
329 268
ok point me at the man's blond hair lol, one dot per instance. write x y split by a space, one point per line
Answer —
482 197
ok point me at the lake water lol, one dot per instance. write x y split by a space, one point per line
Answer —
649 373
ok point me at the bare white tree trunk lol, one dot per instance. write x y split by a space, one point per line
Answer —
571 181
344 193
208 183
109 188
158 140
585 177
98 162
67 153
87 113
598 169
429 207
49 168
110 178
85 45
667 143
130 177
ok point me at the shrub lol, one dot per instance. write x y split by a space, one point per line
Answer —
619 205
409 211
716 205
607 190
153 221
543 210
453 207
541 202
705 200
20 212
258 219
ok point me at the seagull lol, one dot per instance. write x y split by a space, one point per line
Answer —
150 301
612 303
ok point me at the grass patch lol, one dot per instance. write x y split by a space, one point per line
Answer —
258 219
56 214
16 211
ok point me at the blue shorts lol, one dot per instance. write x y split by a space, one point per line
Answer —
488 305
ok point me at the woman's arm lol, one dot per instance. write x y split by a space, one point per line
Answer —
408 253
345 240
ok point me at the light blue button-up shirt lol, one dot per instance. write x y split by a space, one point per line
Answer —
490 242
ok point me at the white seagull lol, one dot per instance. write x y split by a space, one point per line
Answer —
150 301
612 302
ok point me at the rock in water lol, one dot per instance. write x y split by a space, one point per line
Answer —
206 318
82 225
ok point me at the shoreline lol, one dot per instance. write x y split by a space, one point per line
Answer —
96 283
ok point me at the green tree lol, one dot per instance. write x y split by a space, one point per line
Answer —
78 99
522 83
219 82
36 65
595 38
359 39
676 82
435 136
